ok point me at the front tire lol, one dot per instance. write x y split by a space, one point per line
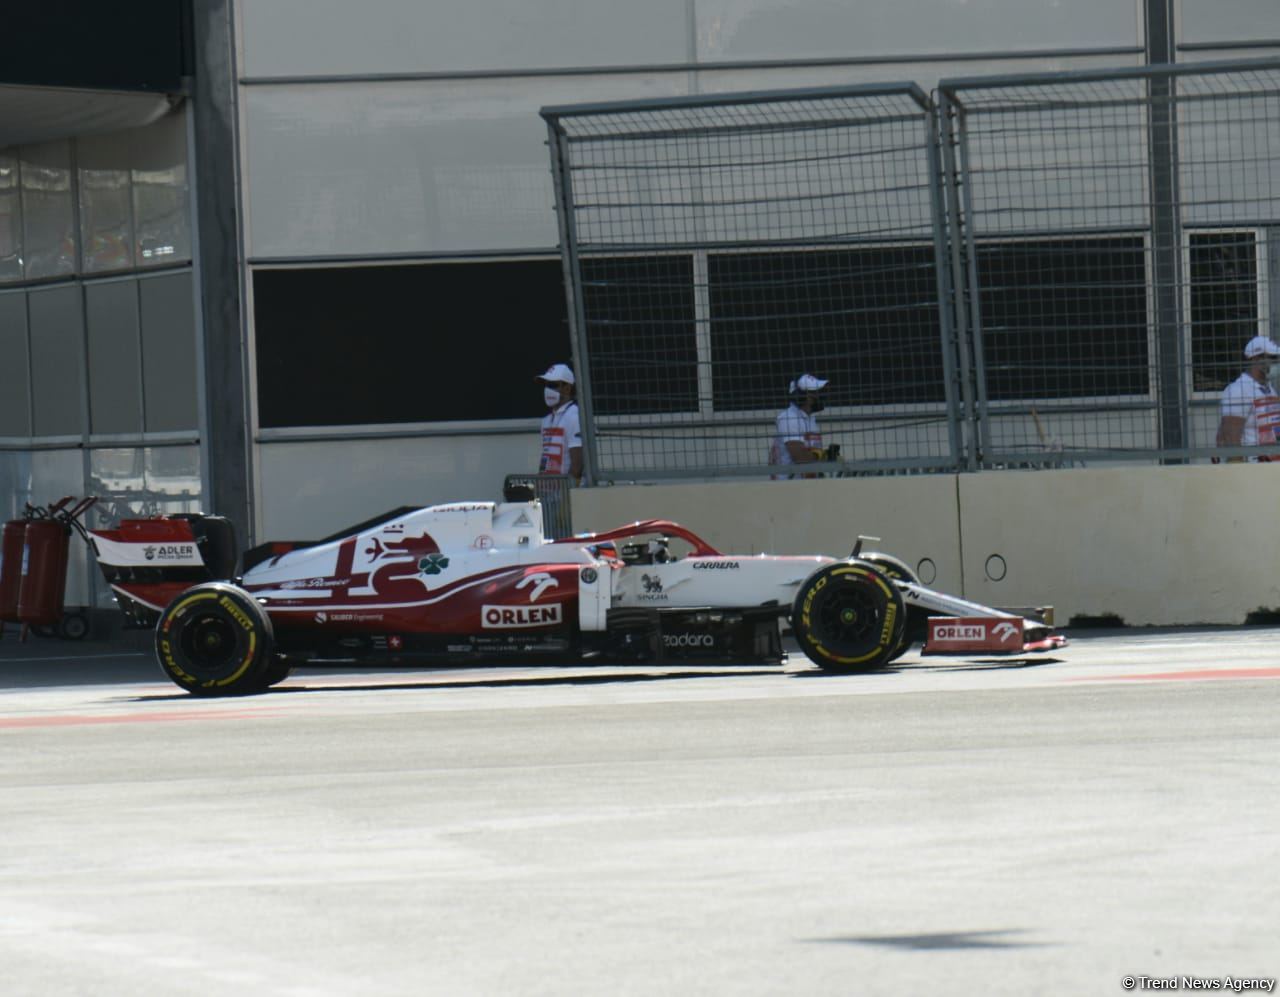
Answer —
848 617
896 570
215 640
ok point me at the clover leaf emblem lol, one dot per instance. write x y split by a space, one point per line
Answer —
433 564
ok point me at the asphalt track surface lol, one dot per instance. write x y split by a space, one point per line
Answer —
1048 825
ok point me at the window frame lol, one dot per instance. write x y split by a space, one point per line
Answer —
1262 294
1020 403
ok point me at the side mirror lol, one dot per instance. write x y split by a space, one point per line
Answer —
857 548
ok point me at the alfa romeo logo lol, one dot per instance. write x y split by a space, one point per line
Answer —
433 564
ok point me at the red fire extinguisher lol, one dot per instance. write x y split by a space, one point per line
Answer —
11 569
45 548
44 572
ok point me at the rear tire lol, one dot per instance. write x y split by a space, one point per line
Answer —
848 617
275 672
215 640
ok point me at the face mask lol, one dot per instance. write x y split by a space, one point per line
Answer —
815 404
551 397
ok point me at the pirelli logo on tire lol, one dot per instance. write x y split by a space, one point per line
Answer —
235 612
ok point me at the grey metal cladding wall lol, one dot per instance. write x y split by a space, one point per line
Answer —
1203 22
115 363
57 361
445 36
15 386
169 353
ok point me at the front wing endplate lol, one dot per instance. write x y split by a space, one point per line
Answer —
991 635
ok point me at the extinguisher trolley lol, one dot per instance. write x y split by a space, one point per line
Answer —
33 572
15 532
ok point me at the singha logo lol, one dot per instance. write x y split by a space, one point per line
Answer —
651 583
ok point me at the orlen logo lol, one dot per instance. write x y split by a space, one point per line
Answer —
1005 631
541 581
960 631
688 640
515 617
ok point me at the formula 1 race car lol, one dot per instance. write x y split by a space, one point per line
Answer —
472 581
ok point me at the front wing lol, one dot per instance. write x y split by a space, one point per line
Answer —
957 626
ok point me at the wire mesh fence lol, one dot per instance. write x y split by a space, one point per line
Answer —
1028 271
1113 235
722 247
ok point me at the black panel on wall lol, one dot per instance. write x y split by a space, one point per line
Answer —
139 45
865 319
400 344
56 324
167 317
115 361
15 367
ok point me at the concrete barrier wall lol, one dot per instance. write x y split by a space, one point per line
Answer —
1153 545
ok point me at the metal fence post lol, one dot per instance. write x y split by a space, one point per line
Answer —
563 183
1166 263
963 296
949 325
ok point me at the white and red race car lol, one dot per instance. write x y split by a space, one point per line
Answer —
471 581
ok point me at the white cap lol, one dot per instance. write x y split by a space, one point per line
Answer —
1259 345
557 372
806 382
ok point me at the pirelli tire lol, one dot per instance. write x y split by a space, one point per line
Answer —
849 617
897 570
275 671
215 640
